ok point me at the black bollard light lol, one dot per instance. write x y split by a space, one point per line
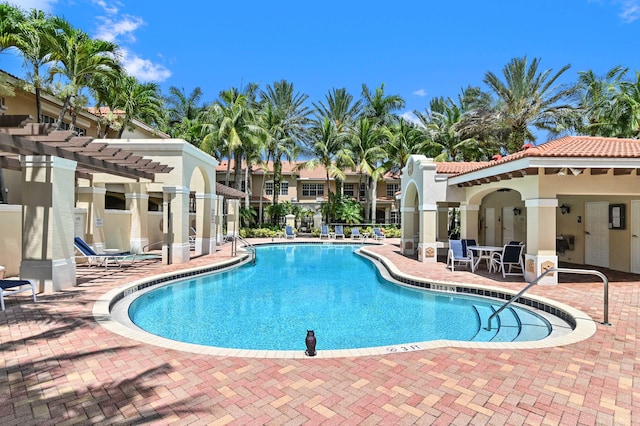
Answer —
311 343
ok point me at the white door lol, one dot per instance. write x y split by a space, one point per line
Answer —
507 224
596 238
635 236
489 227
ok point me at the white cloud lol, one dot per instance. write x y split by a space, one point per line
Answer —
411 117
630 10
143 69
420 92
45 5
111 29
110 8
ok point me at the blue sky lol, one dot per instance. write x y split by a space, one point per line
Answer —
418 49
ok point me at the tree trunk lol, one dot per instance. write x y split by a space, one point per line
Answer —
63 111
4 198
374 199
246 187
38 106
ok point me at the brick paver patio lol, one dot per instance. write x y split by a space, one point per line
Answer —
58 366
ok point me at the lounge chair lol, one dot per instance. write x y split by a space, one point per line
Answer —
8 287
101 259
324 231
288 232
355 234
378 234
457 254
511 256
339 231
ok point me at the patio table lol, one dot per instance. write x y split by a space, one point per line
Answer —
485 252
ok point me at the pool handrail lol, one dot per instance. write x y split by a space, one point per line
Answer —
602 276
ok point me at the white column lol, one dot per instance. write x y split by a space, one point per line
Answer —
541 240
205 224
48 204
175 219
427 244
92 198
469 221
138 204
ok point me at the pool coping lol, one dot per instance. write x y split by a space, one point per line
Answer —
583 326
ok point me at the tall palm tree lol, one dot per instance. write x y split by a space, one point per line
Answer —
530 98
339 107
366 143
284 119
138 100
406 138
598 96
79 59
379 107
29 37
329 151
230 123
179 105
629 116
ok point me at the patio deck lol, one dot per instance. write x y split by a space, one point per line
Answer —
58 366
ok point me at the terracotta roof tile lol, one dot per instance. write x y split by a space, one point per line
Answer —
454 168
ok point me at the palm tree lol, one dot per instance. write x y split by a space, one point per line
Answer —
329 151
406 138
340 108
529 98
598 96
182 114
138 100
365 142
380 108
629 106
229 123
29 37
79 59
284 120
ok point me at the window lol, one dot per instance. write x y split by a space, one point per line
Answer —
361 192
392 188
284 188
395 217
64 126
348 189
312 190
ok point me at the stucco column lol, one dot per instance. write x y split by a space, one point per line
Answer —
427 244
233 217
205 224
175 219
469 221
91 198
290 220
541 239
48 205
408 240
137 202
219 231
317 220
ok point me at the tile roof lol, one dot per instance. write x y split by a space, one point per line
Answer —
572 147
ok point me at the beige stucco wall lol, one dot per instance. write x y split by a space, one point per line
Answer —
154 221
10 238
117 229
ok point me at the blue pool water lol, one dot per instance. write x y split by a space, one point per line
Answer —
325 288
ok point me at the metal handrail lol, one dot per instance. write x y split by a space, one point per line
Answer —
148 246
251 248
605 281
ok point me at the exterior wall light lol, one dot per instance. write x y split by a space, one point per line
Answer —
516 211
564 209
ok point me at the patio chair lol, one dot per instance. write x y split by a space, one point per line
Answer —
100 259
324 231
355 234
339 231
511 256
8 287
457 254
288 232
378 234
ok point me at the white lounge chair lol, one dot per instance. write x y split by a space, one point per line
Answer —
8 287
355 234
339 231
457 254
288 232
378 234
324 231
101 259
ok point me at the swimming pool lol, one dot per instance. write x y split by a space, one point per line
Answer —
324 287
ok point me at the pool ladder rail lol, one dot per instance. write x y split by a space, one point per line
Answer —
250 248
603 277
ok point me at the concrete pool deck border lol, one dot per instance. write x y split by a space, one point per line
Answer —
120 324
